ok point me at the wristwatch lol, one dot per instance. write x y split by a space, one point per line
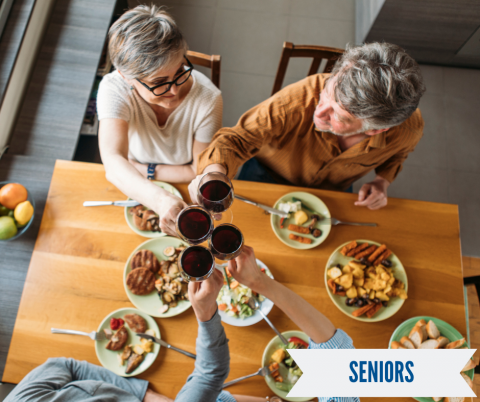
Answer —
151 171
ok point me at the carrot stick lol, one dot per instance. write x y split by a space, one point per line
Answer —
370 313
298 229
362 310
377 252
348 247
300 239
357 249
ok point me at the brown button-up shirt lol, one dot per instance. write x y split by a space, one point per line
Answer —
281 134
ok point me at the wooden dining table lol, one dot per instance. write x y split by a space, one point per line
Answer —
75 278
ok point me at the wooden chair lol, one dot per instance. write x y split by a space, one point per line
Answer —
471 268
318 53
473 311
205 60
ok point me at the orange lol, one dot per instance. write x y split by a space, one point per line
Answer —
12 194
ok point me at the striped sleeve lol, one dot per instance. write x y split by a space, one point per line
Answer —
338 341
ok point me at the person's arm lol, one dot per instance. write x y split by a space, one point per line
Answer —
113 144
174 173
47 382
245 270
212 364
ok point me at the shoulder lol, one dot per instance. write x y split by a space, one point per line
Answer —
205 88
114 83
409 132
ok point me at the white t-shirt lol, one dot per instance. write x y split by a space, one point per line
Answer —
199 116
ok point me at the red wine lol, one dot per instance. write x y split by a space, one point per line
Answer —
197 261
195 225
217 195
226 241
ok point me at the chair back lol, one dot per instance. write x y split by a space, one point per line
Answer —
318 53
210 61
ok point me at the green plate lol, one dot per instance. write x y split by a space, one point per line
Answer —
151 303
312 202
109 359
272 346
394 304
148 233
445 329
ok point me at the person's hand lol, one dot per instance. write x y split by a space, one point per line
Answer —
373 195
169 207
141 167
203 296
245 270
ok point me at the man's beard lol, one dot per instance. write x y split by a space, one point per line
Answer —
360 131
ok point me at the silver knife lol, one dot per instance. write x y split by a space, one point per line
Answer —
167 345
127 203
264 207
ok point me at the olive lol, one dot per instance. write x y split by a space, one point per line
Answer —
363 260
360 303
338 266
376 300
365 296
340 288
369 301
349 302
387 263
385 303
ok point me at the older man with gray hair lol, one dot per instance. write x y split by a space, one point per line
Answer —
329 130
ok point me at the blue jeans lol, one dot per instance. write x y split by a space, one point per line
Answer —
253 170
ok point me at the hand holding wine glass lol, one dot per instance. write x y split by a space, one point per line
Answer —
215 194
203 296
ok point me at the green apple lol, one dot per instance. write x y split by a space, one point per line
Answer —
8 229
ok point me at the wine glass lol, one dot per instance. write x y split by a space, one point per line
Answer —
215 194
194 224
196 263
226 242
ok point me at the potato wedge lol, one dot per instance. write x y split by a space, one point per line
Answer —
334 273
352 292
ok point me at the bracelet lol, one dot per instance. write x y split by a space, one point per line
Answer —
151 171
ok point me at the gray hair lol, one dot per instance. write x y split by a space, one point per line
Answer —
378 83
144 40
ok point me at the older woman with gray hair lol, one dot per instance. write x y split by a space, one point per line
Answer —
329 130
157 113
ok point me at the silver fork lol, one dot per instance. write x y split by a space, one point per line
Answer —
264 371
96 336
334 222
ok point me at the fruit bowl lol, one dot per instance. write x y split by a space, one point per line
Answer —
20 229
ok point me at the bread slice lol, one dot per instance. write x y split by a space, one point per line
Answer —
405 341
470 365
417 337
455 344
468 380
429 344
420 322
454 399
432 330
442 342
436 398
397 345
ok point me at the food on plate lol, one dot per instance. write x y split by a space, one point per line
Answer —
427 336
118 340
300 217
313 230
368 287
141 281
368 254
290 206
234 301
133 362
136 323
170 286
145 219
300 239
283 368
145 259
298 229
116 323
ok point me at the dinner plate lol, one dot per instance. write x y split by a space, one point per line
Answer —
445 329
266 307
109 359
151 303
272 346
310 201
394 304
148 233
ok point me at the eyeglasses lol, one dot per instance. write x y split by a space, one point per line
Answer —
159 90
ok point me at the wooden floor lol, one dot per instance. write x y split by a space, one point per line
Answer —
48 128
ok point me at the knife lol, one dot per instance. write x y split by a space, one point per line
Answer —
167 345
264 207
127 203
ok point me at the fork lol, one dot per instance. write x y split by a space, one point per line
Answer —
264 371
96 336
334 222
